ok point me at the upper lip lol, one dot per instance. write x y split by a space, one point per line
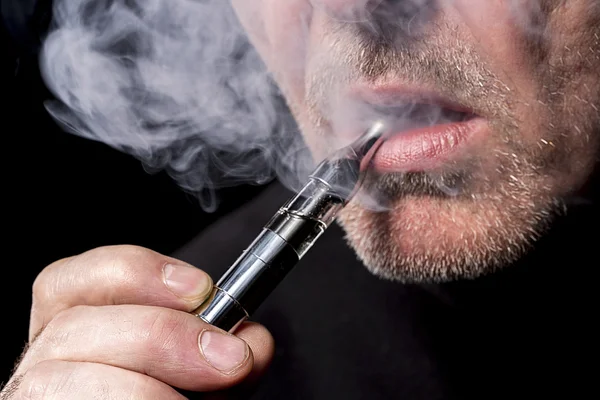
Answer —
388 96
426 129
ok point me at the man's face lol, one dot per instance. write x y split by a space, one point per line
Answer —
494 108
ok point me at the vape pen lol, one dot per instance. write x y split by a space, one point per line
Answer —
290 234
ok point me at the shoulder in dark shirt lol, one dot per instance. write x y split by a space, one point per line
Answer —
343 333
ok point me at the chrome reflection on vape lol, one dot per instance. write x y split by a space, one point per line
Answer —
290 234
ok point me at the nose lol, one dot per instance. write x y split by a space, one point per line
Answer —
403 18
347 10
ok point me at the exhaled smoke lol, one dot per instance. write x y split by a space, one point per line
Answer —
395 20
174 83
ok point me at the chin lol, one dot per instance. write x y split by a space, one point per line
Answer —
426 239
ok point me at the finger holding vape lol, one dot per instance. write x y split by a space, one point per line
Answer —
170 346
63 380
123 313
116 275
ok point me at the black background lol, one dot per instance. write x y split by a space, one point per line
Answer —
62 194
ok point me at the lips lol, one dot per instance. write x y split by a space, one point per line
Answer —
426 130
427 148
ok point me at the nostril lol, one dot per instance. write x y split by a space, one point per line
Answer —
400 19
382 17
403 9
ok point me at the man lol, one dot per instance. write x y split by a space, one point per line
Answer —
478 194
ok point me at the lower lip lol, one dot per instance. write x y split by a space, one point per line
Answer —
427 148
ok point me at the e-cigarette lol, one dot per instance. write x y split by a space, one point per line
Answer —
290 233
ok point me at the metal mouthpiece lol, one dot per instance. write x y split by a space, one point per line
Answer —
290 233
367 144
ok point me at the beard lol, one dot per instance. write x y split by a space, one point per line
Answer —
488 209
424 227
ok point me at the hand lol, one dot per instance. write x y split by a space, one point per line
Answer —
114 323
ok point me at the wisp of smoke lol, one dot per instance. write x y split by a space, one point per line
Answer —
174 83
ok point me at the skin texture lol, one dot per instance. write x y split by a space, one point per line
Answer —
104 324
528 70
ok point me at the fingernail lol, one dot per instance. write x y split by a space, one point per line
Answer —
187 281
224 352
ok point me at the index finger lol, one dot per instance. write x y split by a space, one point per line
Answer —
116 275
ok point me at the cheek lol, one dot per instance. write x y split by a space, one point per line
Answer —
503 31
509 36
278 29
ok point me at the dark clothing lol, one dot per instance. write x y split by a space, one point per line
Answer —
527 332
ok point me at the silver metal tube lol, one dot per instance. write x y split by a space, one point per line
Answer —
289 234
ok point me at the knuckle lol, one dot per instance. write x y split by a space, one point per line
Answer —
50 380
130 269
131 252
58 331
44 281
64 317
43 381
121 261
124 251
164 330
127 262
125 267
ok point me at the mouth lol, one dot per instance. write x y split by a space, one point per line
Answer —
426 131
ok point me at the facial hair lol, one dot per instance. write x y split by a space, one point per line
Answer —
480 213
